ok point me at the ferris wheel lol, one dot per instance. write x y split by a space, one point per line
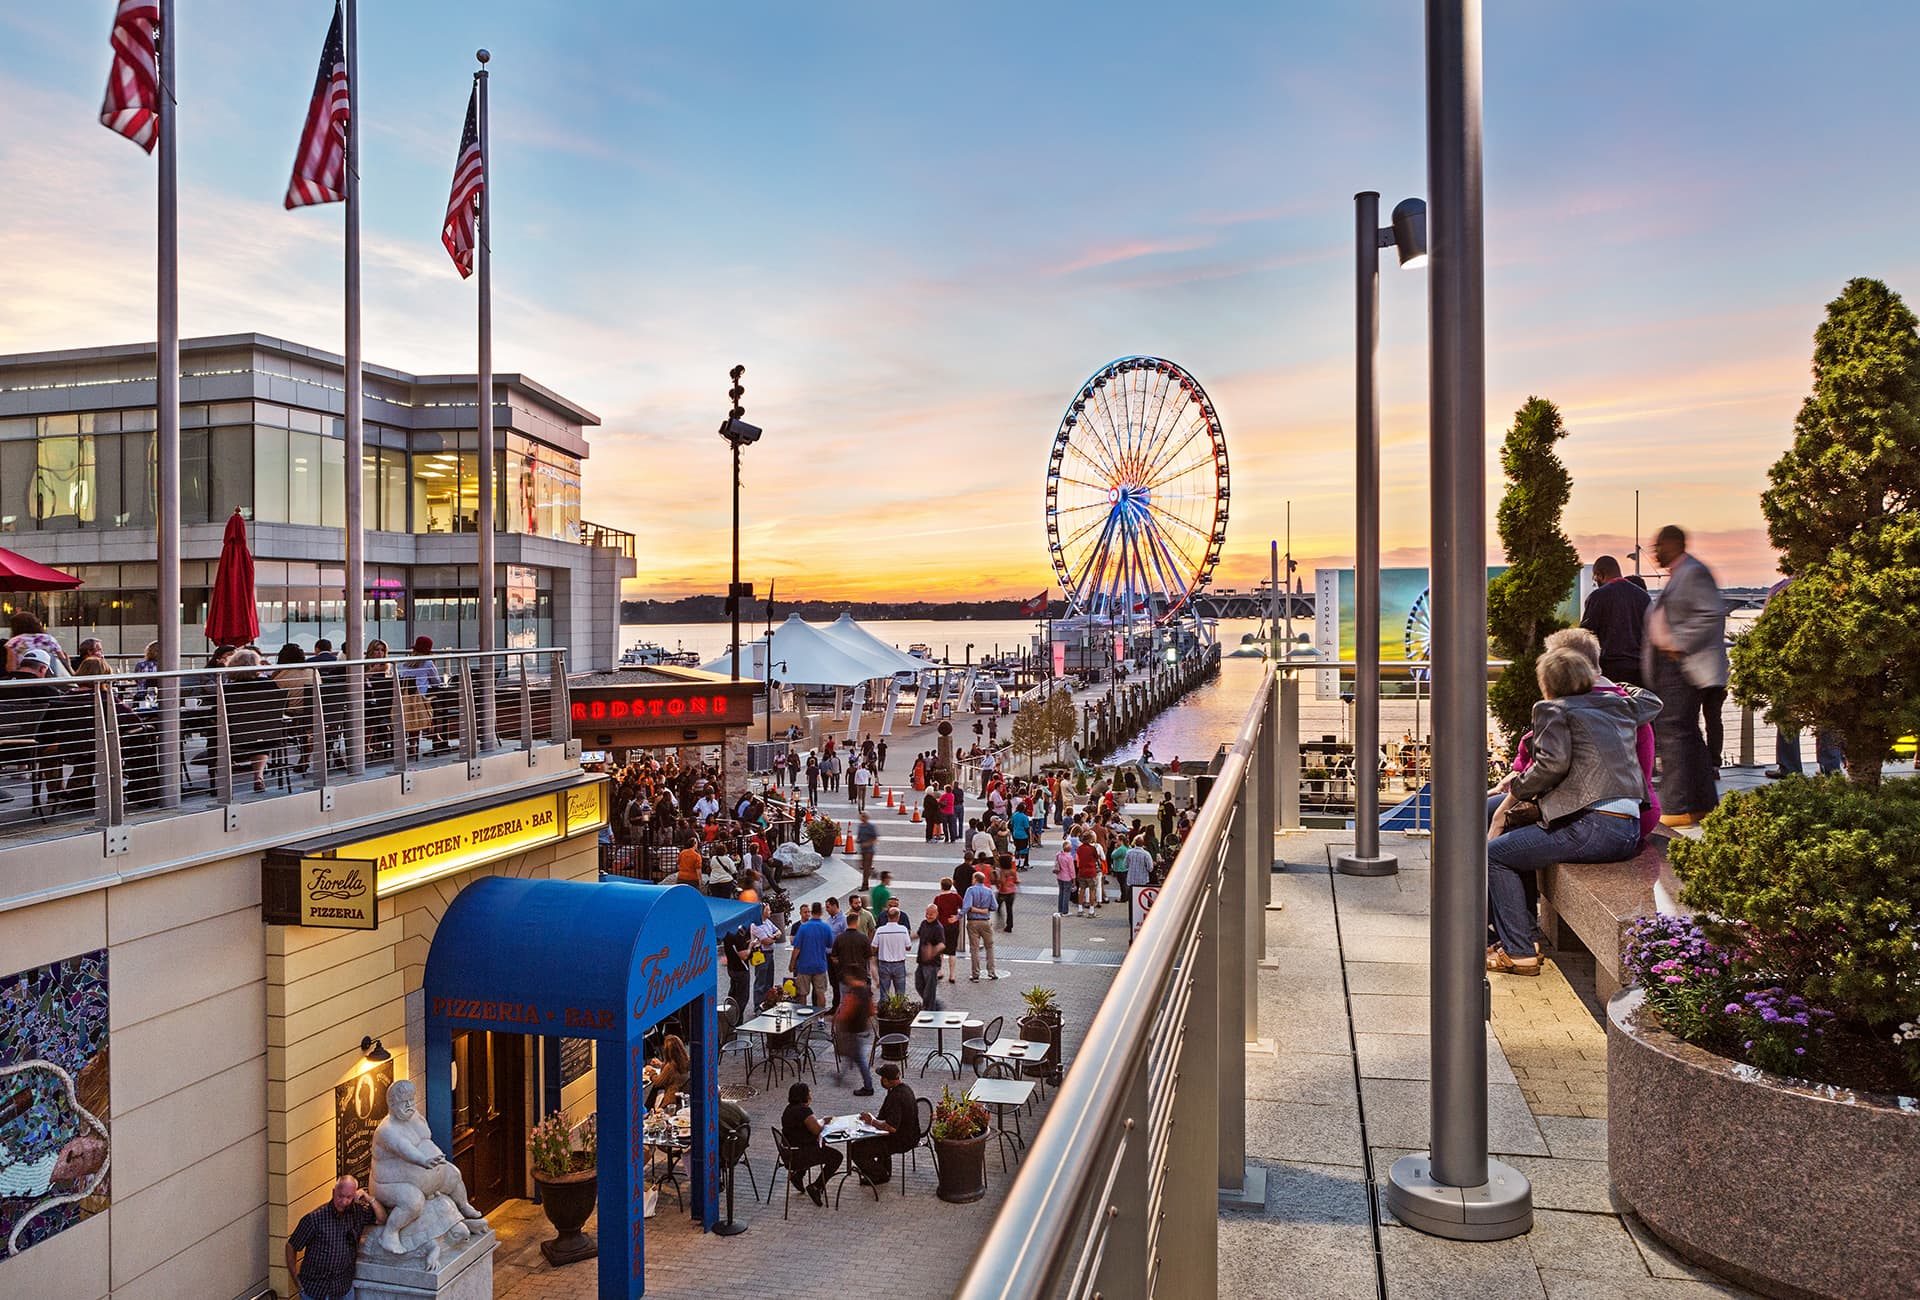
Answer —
1137 492
1417 640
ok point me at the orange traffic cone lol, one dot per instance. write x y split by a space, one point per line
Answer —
889 798
903 810
849 847
916 816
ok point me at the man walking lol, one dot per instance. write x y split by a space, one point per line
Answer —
1616 612
980 905
853 1031
329 1237
880 755
867 839
812 941
1684 657
891 943
926 970
860 778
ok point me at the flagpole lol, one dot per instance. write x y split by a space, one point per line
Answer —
488 487
356 646
167 422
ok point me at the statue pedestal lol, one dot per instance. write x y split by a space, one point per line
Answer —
465 1272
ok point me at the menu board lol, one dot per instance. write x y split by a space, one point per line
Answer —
359 1105
576 1058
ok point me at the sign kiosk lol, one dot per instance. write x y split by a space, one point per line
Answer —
585 960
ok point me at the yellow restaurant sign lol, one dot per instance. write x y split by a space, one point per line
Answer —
337 892
404 859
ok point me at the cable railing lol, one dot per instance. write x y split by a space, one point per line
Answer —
1120 1191
99 751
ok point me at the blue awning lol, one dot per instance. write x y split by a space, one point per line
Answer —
729 914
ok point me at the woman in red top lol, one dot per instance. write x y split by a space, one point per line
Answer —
1006 883
1086 865
949 901
946 814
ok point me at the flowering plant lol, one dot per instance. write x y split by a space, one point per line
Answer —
956 1119
551 1143
1907 1039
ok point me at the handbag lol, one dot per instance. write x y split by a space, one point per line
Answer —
1511 815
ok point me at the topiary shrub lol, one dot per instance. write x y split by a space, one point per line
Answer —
1815 884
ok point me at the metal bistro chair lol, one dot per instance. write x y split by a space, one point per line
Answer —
974 1050
925 1108
735 1043
733 1156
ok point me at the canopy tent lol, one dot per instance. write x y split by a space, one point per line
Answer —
849 633
803 654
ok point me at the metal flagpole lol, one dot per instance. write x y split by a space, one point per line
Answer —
484 408
1456 1191
167 422
1366 858
356 646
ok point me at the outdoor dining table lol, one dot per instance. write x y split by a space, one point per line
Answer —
1000 1094
1015 1052
940 1022
848 1129
775 1023
671 1139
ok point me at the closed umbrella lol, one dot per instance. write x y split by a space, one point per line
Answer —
231 616
18 573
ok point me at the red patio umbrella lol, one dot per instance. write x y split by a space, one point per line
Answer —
18 573
231 616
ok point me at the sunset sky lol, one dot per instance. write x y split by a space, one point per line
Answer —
921 228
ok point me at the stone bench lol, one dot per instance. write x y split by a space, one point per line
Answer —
1597 902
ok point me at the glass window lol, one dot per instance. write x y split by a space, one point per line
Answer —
18 426
445 492
111 483
303 478
269 475
230 473
467 509
132 420
393 490
139 479
304 421
195 486
64 488
333 486
17 462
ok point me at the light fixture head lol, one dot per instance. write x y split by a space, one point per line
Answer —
1410 232
370 1047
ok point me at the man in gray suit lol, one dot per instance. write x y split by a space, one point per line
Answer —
1684 654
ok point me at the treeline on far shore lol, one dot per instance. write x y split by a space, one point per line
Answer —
713 609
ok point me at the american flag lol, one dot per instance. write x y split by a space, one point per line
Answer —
320 166
132 105
469 178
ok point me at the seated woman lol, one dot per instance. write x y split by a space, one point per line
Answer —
667 1074
1584 774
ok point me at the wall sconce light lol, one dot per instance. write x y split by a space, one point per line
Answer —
374 1052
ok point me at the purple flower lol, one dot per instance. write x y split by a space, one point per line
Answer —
1733 1008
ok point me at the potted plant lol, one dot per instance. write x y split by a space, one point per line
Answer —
1041 1023
779 905
960 1147
823 833
568 1182
895 1012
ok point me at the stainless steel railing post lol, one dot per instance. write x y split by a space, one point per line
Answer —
1289 686
560 725
106 771
222 743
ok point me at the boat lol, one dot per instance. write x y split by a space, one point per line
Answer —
920 650
644 654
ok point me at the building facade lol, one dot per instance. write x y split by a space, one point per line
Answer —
262 432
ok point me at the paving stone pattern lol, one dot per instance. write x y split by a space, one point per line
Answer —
1346 1006
826 1254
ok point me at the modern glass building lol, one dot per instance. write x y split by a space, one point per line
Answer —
262 432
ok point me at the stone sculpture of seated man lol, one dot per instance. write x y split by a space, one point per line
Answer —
422 1190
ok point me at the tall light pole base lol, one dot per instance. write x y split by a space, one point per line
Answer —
1500 1208
1378 864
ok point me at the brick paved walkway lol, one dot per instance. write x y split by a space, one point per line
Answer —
823 1254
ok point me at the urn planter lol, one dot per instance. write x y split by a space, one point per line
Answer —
1796 1190
962 1167
569 1200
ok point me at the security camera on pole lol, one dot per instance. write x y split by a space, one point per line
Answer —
738 434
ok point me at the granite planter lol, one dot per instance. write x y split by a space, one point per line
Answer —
1791 1189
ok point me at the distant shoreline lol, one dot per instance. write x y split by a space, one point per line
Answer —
713 609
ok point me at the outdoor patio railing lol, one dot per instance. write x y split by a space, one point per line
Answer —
88 752
1119 1194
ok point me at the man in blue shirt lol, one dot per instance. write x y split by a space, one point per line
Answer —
812 941
978 905
958 821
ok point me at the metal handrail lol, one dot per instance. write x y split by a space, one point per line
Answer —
87 724
1059 1215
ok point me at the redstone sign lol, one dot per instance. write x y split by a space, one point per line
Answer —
598 711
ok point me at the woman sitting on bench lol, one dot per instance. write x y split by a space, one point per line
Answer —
1584 779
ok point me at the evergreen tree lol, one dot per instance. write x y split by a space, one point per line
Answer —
1839 648
1542 563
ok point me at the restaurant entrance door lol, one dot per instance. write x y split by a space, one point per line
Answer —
490 1115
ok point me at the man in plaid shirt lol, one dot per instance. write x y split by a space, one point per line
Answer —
330 1236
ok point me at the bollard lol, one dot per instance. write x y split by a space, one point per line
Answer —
1057 918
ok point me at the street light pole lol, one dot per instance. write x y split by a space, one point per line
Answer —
1455 1190
1408 234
